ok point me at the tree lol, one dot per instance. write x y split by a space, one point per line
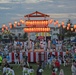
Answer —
25 36
67 33
11 38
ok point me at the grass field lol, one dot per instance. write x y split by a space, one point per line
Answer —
47 71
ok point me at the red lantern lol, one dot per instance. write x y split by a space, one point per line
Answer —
51 21
57 22
14 25
22 21
71 29
2 29
67 28
75 26
4 26
26 23
10 24
15 22
19 24
58 25
64 26
75 30
69 25
62 23
42 23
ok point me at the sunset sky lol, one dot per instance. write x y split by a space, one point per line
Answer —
61 10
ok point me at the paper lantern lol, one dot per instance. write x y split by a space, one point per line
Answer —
51 21
67 28
31 29
64 26
22 21
36 29
2 29
42 23
46 22
19 24
15 22
62 23
10 24
71 29
69 25
4 26
48 29
59 25
32 22
14 25
57 22
26 23
75 26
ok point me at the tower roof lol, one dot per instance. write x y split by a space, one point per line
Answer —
37 14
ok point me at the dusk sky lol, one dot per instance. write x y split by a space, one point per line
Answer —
61 10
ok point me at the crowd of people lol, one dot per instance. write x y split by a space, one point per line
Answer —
53 61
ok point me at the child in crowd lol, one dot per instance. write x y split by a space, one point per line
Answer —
31 71
4 70
61 72
7 70
53 72
25 70
12 71
39 70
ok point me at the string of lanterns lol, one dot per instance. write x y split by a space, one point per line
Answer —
36 23
4 27
36 29
44 23
68 26
39 23
14 25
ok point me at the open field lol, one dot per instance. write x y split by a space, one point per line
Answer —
47 71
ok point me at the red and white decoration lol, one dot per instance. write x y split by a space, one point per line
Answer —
34 56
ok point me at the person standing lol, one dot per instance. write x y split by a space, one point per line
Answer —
45 45
61 72
32 45
31 71
49 46
53 72
11 71
73 67
39 70
25 70
57 64
25 57
4 70
25 45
